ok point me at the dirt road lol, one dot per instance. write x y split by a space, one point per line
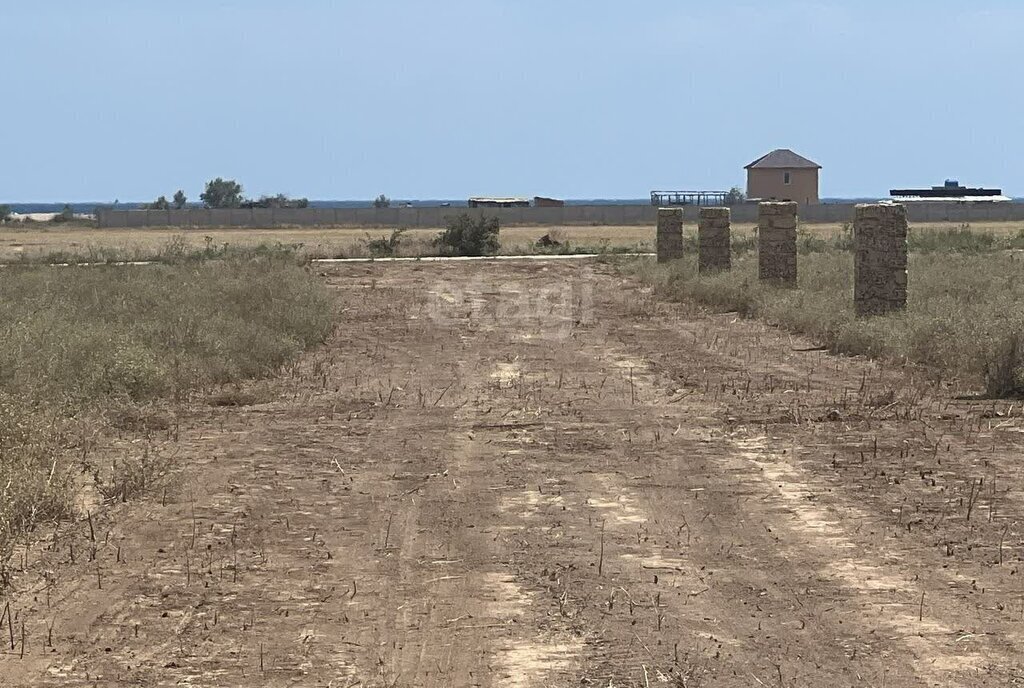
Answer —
538 475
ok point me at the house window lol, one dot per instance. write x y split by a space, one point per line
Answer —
785 177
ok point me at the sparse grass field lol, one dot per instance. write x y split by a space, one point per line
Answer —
514 473
59 243
964 317
80 347
37 242
483 487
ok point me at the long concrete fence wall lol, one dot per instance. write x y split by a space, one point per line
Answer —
568 215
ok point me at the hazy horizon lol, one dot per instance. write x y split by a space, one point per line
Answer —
86 205
572 100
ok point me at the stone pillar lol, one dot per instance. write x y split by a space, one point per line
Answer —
713 240
880 258
670 234
776 243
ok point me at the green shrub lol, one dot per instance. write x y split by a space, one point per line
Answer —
469 236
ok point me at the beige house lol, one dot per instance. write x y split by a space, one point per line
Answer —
782 175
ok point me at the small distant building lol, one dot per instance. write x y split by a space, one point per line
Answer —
782 175
484 202
542 202
950 192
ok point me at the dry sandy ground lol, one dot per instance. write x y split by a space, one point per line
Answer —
321 242
533 475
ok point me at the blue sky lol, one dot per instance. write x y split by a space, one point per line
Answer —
574 98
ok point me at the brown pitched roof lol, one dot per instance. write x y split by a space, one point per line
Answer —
782 158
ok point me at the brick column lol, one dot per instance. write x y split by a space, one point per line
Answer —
713 240
880 258
776 243
670 234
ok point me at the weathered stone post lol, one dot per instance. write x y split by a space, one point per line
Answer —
776 243
880 259
713 240
670 234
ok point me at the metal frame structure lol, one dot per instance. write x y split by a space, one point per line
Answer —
663 199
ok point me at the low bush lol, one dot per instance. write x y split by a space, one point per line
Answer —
469 236
385 247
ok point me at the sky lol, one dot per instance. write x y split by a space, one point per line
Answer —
326 100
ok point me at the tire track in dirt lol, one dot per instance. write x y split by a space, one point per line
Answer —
691 589
942 645
524 497
927 637
601 495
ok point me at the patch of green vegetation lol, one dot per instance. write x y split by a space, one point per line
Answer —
469 236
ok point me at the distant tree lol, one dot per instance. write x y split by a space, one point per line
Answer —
179 199
222 193
159 204
278 201
382 201
5 212
735 196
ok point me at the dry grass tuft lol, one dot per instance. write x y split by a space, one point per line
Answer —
36 484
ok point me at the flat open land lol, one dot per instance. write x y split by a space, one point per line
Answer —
316 242
324 242
531 475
